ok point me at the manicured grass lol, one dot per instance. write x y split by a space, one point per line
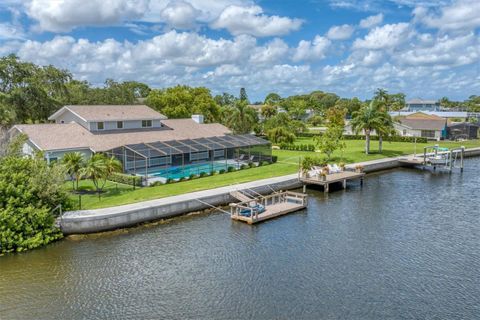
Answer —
118 194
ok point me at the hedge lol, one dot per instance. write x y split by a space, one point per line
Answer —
372 137
297 147
126 179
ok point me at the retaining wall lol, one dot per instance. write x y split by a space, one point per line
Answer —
88 221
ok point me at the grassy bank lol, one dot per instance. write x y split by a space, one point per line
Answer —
118 194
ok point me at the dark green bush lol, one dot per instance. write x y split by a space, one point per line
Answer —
231 169
299 147
222 171
126 179
191 176
203 174
243 166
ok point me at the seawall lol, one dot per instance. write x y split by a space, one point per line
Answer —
96 220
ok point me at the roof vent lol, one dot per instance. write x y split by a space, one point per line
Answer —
198 118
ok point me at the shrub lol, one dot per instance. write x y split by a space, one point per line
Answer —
126 179
203 174
231 169
251 164
280 135
169 180
264 163
372 137
274 159
30 190
243 166
295 147
156 184
222 171
191 176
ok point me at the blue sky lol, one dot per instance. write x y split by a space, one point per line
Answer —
424 48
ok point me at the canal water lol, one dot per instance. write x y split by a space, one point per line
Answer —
405 246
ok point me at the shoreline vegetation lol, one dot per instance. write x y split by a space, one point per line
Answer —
120 194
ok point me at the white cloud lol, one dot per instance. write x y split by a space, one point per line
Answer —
312 50
371 21
274 51
61 16
387 36
461 15
251 20
66 15
445 51
180 14
10 31
342 32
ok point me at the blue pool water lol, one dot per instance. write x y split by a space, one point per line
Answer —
186 171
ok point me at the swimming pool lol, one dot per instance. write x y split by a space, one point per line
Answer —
187 170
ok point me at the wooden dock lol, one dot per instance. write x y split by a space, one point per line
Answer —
339 177
275 205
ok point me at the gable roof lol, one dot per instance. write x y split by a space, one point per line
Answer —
424 124
111 112
423 116
74 136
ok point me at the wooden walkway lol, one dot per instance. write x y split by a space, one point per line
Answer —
275 205
326 181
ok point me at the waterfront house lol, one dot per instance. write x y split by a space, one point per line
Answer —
421 125
422 105
145 141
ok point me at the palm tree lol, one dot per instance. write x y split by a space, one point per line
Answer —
74 162
241 118
368 118
95 169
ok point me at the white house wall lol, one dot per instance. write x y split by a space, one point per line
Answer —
130 124
67 117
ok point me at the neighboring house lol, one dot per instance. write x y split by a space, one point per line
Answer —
138 136
422 105
421 125
451 115
463 130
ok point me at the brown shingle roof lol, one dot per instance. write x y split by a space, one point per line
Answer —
74 136
424 124
112 112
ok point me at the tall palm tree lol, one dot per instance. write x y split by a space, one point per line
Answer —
241 118
95 169
74 163
367 119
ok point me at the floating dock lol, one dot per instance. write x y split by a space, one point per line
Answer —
338 177
268 207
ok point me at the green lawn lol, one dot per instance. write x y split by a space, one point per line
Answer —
118 194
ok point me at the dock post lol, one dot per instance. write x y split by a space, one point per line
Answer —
326 187
304 188
461 158
361 182
344 183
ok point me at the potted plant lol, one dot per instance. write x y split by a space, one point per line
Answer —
342 166
324 173
358 168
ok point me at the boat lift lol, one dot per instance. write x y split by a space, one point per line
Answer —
443 158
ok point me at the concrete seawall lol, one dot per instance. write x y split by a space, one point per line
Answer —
88 221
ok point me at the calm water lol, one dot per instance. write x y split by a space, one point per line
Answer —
406 246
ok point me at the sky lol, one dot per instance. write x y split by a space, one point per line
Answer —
423 48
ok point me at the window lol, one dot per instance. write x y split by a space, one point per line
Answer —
100 126
428 133
146 123
119 124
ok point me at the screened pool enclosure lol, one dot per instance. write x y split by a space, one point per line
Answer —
181 158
